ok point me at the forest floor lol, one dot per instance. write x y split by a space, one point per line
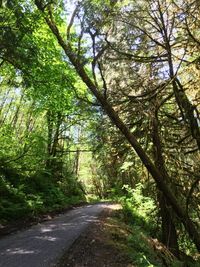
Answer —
103 244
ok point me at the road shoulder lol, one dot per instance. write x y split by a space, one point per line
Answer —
102 244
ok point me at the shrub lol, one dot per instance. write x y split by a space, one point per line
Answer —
137 208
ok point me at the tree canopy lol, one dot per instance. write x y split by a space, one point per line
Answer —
116 79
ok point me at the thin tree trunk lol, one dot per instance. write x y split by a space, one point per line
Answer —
7 111
50 136
4 99
184 104
29 124
56 135
77 162
16 115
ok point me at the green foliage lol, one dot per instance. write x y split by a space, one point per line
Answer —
37 107
138 208
143 254
139 212
30 198
41 104
13 201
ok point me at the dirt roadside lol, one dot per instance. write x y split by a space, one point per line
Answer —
101 245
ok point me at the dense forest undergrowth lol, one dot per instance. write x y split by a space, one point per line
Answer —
34 196
101 98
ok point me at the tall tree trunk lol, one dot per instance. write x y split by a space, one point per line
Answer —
52 164
56 135
77 162
50 137
169 234
158 177
6 116
186 108
5 97
16 115
29 119
184 104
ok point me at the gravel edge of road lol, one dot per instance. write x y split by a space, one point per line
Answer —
97 245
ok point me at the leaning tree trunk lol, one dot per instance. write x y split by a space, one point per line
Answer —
157 176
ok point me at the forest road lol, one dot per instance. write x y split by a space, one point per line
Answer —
43 244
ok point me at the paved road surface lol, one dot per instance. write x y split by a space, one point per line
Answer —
43 244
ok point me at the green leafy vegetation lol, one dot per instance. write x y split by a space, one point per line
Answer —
38 119
100 100
144 248
137 208
33 196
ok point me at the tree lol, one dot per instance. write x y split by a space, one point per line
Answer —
37 97
78 61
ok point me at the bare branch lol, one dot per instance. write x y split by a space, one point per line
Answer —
194 185
71 22
104 81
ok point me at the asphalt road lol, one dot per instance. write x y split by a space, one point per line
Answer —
43 244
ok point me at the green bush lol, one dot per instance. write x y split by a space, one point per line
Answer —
137 208
139 213
33 196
